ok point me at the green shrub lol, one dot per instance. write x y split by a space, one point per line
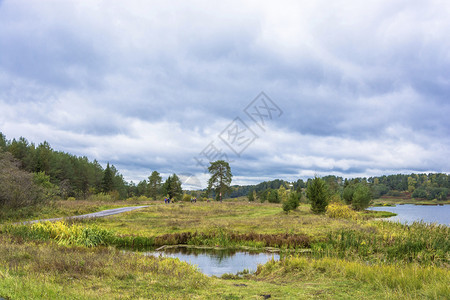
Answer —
292 202
101 197
336 198
19 188
419 193
186 198
105 197
361 197
273 197
143 199
347 194
394 193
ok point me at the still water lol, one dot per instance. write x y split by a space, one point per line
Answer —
218 262
409 213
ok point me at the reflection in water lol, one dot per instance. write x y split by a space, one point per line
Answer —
218 262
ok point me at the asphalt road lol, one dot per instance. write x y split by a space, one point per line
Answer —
99 214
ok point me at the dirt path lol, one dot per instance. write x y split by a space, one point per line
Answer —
99 214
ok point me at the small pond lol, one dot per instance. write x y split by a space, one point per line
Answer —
409 213
218 262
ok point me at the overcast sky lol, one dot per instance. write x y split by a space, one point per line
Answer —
351 88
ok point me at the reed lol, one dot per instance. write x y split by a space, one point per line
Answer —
397 280
389 242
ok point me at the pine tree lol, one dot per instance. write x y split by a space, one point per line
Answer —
273 197
172 187
154 184
108 180
317 194
220 179
251 196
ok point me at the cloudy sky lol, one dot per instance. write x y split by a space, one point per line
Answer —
351 88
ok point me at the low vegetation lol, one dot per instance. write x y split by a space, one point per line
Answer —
339 210
330 246
36 270
346 256
412 282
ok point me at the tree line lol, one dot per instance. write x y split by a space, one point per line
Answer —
33 174
75 176
421 186
52 173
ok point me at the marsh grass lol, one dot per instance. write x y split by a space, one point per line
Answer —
389 242
235 225
236 217
409 281
392 201
373 214
36 270
91 235
63 233
345 258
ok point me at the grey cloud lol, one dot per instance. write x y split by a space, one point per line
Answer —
148 86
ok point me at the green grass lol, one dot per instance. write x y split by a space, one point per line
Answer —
427 244
391 201
373 214
397 281
236 217
355 258
50 271
45 270
57 209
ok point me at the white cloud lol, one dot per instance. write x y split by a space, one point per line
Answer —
148 85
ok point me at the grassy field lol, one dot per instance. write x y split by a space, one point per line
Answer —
347 258
399 200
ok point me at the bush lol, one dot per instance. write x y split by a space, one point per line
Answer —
361 197
340 211
394 193
292 202
143 199
43 181
348 194
419 193
437 193
379 190
115 196
186 198
17 187
101 197
273 197
336 198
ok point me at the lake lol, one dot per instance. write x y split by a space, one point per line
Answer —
219 262
409 213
